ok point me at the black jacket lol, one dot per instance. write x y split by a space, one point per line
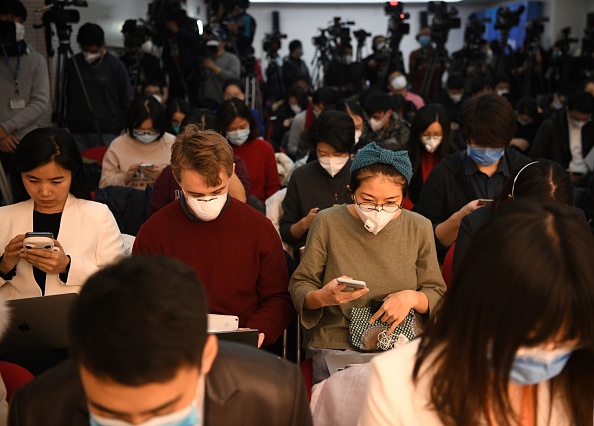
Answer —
245 387
552 139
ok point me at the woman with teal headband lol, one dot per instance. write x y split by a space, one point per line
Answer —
373 240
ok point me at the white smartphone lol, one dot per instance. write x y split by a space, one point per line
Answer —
352 283
39 240
218 322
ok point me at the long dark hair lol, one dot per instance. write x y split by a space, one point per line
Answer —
40 147
145 107
527 278
231 109
537 181
424 117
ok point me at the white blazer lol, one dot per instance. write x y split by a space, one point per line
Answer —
88 233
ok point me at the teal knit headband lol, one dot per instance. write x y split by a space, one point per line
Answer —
372 154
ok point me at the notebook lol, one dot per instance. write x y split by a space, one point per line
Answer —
38 323
338 362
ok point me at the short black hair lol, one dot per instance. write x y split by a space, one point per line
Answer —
581 101
90 35
377 101
295 44
234 82
489 120
13 7
324 95
335 128
142 108
204 118
527 105
350 107
139 321
42 146
177 105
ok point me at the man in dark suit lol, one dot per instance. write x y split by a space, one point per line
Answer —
140 352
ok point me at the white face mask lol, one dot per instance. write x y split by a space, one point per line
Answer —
145 137
374 221
358 134
378 124
431 143
398 82
20 31
502 92
147 46
238 137
316 112
333 165
455 97
295 108
157 97
207 208
91 57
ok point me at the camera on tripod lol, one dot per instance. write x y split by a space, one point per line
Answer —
55 13
565 41
507 19
361 35
534 29
475 29
444 20
396 25
272 43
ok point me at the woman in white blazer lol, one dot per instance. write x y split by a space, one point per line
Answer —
513 343
51 195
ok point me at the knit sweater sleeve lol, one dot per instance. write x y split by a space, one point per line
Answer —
308 276
274 312
429 279
292 211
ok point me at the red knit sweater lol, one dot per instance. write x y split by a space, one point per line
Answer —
238 257
261 164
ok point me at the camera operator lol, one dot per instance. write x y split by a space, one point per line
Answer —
219 66
24 97
419 64
374 65
295 70
532 61
106 81
563 68
180 60
143 67
241 27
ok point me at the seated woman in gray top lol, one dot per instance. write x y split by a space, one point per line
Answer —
321 183
538 181
373 240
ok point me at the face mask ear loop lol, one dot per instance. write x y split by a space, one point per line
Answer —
516 178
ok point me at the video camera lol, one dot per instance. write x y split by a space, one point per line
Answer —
475 29
534 28
396 25
272 43
444 20
565 40
507 19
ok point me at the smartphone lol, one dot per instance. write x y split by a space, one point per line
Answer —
39 240
352 283
484 202
146 165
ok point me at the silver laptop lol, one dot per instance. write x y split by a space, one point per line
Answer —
38 323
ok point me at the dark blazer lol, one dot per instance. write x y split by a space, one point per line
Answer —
246 386
552 139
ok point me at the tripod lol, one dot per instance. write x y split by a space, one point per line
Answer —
65 53
252 88
438 55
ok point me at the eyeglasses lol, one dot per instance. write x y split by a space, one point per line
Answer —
387 207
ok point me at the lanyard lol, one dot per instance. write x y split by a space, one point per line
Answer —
14 71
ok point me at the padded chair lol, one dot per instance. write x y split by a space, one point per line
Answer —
95 153
14 376
448 263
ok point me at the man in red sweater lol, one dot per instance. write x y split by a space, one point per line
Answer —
234 250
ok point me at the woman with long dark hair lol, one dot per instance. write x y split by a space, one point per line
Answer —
51 195
513 342
239 126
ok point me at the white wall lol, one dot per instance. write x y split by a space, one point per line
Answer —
303 21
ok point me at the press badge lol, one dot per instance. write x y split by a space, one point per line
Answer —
17 103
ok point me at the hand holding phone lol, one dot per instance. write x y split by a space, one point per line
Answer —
352 283
484 202
38 240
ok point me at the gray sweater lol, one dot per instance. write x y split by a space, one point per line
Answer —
400 257
213 83
33 88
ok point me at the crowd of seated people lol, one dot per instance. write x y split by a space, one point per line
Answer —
370 192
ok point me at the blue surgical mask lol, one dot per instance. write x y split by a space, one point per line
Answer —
424 40
484 156
175 130
532 365
188 416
